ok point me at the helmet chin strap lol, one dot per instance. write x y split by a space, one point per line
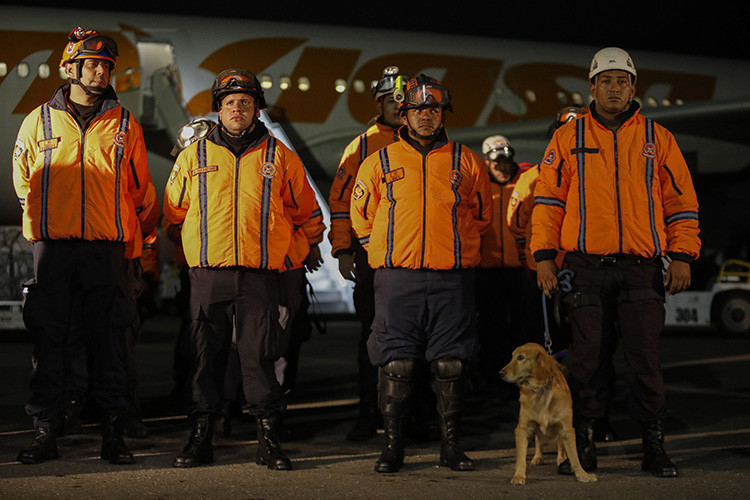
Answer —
91 90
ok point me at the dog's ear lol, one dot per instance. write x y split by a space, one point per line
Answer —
544 366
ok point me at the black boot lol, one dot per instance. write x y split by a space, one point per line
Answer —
43 447
655 459
269 449
113 447
450 383
585 445
394 387
199 449
392 457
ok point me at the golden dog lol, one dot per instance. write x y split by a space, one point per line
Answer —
546 409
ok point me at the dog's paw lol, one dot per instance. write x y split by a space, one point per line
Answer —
585 477
537 460
522 480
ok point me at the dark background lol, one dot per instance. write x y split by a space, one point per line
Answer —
716 29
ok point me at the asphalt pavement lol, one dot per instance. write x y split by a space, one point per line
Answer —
708 436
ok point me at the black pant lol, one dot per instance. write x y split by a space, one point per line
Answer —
243 302
79 296
611 297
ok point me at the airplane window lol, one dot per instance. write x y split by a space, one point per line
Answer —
679 102
358 86
43 70
266 82
340 85
23 70
530 96
651 102
3 69
303 83
284 82
666 102
562 98
577 98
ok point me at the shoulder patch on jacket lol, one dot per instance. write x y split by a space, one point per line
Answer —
359 190
19 149
550 158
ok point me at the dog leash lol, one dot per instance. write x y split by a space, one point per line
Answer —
564 279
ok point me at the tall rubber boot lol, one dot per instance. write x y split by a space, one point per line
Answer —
113 446
394 387
269 449
43 447
450 385
585 445
199 449
655 459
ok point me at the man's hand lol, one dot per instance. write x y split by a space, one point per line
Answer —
678 277
346 266
546 276
314 260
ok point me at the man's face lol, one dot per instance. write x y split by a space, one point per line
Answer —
501 169
612 91
94 73
388 108
237 112
423 122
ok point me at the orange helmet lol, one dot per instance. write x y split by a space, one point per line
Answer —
89 44
569 113
424 92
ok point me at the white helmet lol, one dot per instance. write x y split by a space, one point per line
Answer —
496 145
611 58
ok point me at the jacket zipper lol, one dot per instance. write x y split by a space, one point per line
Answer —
236 210
424 207
617 188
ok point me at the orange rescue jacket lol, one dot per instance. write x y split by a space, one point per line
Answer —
625 192
376 137
237 211
422 212
75 184
498 244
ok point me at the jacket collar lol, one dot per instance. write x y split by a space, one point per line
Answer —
62 94
619 120
440 141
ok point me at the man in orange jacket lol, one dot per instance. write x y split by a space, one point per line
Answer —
239 194
614 192
81 175
500 280
419 208
351 255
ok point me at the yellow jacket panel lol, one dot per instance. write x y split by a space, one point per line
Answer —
422 212
626 192
376 137
237 211
75 184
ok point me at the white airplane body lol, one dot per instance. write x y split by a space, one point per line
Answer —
167 65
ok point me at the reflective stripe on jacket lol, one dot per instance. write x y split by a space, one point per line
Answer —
375 138
238 211
422 212
75 184
626 192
